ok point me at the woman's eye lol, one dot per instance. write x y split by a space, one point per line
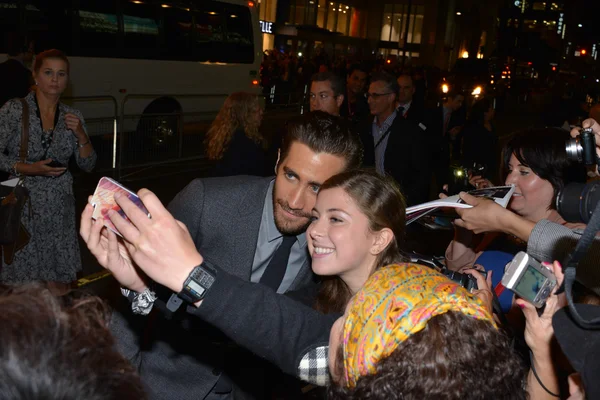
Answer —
334 219
313 218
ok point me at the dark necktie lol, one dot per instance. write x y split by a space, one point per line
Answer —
275 270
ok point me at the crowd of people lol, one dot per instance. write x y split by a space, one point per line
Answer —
254 286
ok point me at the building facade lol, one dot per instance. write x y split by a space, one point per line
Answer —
417 32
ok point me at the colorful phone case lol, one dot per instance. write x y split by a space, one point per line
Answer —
103 201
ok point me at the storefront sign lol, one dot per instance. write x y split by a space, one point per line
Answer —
267 27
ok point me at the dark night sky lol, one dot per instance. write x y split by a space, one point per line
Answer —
587 12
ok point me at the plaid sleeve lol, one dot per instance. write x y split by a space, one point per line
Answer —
313 367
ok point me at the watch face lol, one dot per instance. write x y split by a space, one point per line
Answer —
195 288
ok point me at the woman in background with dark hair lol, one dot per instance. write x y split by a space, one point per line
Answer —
535 161
480 142
56 133
234 141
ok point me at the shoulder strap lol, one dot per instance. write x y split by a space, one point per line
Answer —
24 131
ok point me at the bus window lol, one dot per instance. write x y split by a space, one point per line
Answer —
9 28
140 28
224 33
177 24
209 34
239 34
47 25
98 28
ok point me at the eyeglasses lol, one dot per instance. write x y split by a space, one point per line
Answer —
375 96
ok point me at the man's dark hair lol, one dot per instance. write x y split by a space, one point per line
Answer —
543 150
448 359
324 133
390 81
454 93
357 67
409 76
57 348
337 84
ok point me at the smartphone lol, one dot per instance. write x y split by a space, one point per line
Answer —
103 201
55 164
528 279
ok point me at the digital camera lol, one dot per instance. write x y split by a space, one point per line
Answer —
528 279
583 148
460 174
467 281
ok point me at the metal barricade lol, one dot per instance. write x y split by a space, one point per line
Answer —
103 131
150 139
129 139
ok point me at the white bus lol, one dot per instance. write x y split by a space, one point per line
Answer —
151 56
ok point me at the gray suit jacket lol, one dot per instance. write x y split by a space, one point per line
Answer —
181 357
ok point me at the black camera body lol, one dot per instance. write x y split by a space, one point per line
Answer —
459 177
583 148
467 281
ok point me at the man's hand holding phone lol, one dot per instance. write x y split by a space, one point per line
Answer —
110 251
161 246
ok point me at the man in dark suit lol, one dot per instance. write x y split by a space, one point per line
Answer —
447 123
394 144
15 78
240 224
355 107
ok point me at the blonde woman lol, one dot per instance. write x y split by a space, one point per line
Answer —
234 141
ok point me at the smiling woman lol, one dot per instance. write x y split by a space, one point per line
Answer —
535 161
357 227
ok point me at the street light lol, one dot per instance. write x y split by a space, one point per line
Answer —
579 25
458 13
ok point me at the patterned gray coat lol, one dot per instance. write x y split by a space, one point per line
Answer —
53 252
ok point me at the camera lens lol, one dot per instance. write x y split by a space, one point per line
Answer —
574 149
577 201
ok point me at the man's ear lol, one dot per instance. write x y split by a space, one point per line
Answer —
340 100
382 240
278 158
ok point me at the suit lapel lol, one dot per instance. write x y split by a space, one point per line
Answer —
245 235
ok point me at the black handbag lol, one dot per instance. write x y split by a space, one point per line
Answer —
13 235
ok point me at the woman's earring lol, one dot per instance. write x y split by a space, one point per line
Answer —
36 83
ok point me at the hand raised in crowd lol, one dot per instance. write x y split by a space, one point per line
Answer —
480 182
484 287
161 246
110 251
538 328
589 123
74 124
41 168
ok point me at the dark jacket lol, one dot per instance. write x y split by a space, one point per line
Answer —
481 146
184 357
440 143
15 80
243 157
357 112
407 157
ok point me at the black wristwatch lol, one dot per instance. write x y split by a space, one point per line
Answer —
195 286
